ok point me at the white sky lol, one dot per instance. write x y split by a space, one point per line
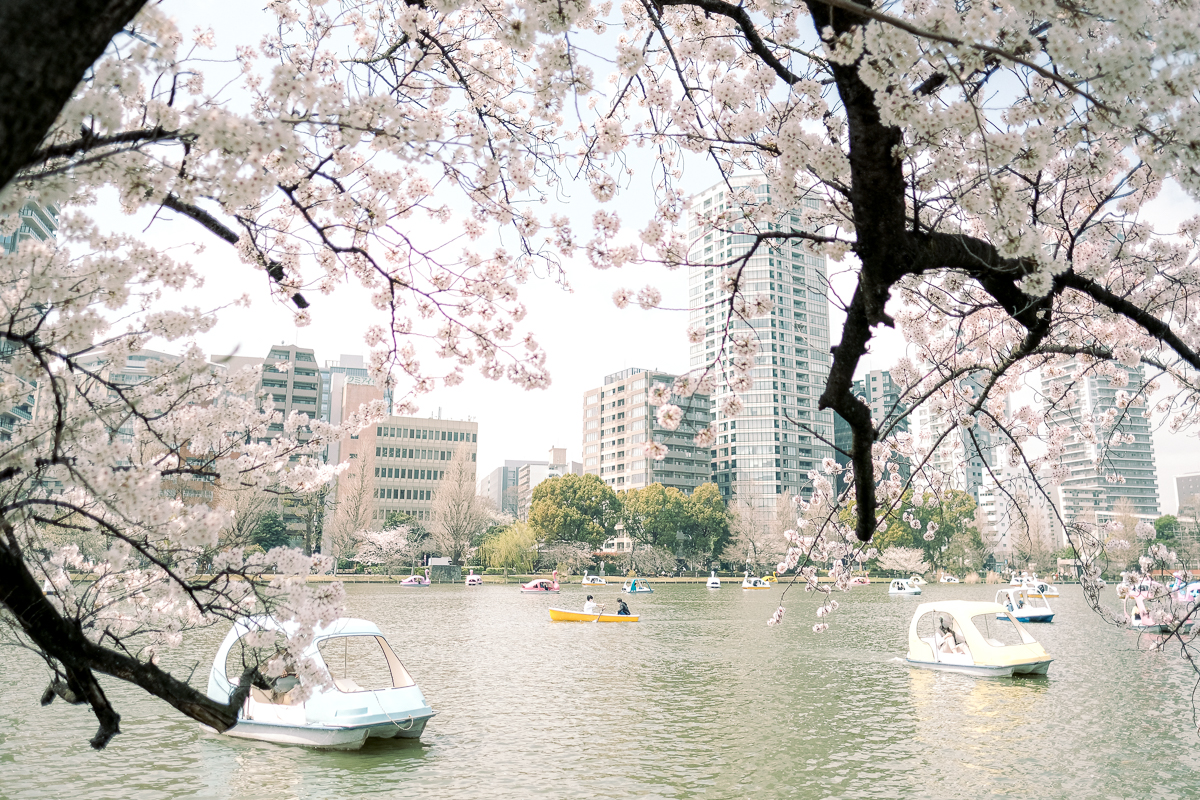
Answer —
586 337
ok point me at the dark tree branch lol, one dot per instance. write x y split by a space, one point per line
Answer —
754 40
274 268
1153 325
64 641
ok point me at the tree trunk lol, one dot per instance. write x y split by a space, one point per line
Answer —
46 46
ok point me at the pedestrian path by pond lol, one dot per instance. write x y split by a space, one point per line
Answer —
701 699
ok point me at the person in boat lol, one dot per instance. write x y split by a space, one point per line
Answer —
951 642
591 607
622 609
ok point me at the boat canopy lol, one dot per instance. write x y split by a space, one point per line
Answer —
988 641
354 651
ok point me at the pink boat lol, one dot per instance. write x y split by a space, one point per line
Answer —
474 580
542 585
416 580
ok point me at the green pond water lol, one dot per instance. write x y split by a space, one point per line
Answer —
699 699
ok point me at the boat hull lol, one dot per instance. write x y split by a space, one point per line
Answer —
321 737
984 670
911 592
539 591
565 615
1023 617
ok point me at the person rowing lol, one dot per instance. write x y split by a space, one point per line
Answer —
592 607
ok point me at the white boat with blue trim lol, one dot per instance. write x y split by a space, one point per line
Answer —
1025 607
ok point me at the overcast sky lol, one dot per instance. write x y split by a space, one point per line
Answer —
585 336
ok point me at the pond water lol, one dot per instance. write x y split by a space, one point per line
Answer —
699 699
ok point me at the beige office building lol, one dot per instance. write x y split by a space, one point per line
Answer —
402 461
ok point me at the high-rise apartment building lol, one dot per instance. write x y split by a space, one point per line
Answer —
292 382
882 395
37 222
1015 515
290 379
961 456
780 435
1088 494
618 418
40 223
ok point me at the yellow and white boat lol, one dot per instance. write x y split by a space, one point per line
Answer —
563 615
966 636
751 582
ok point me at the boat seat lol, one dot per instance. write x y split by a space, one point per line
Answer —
346 684
272 698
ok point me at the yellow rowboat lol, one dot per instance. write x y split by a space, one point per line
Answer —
563 615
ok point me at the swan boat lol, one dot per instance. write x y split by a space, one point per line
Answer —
1147 620
903 586
713 581
593 580
949 579
541 586
340 716
416 580
1036 586
565 615
751 582
1017 601
966 636
637 586
917 580
474 580
860 580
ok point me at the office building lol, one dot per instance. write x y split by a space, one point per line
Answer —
132 370
531 473
406 458
500 486
1187 492
1086 404
780 435
618 419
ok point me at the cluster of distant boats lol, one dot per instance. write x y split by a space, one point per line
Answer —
969 637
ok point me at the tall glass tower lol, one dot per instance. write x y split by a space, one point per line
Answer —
767 449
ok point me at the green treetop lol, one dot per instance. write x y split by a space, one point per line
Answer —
574 508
